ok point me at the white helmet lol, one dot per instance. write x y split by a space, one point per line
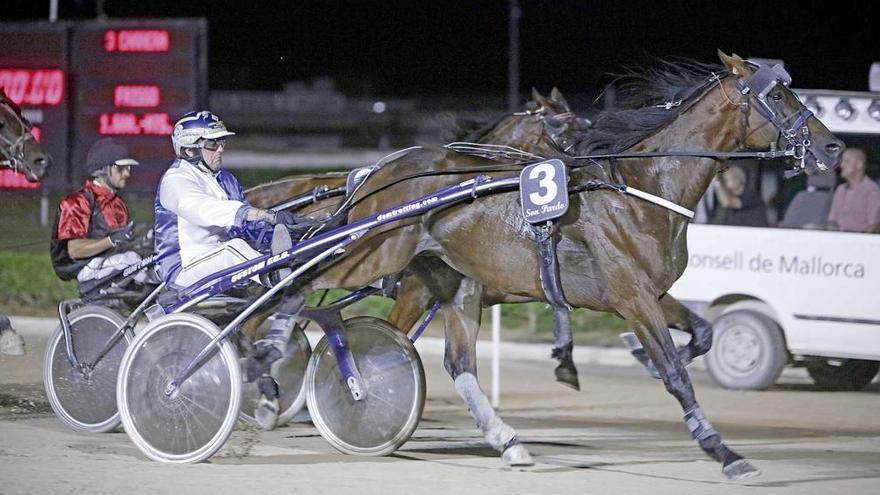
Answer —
195 126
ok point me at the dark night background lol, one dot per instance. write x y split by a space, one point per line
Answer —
407 48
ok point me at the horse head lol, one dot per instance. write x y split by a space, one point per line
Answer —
772 113
19 150
546 126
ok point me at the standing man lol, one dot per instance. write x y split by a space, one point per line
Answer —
92 226
856 203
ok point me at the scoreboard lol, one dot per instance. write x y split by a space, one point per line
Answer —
34 73
127 79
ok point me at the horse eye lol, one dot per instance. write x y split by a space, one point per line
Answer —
777 96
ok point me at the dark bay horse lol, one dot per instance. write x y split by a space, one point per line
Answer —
18 148
22 153
617 254
547 126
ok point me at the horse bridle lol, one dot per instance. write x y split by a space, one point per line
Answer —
555 127
758 87
13 150
797 136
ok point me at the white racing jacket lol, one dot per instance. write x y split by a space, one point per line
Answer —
196 211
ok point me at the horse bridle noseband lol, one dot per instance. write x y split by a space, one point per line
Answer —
13 151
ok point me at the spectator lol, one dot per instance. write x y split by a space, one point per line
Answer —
737 204
856 203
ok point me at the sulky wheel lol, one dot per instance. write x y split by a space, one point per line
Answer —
394 386
192 423
85 399
289 372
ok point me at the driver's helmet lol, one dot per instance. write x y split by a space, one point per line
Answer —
195 126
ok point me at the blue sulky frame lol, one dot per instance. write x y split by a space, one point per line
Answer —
314 251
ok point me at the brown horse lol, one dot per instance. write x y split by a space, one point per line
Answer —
617 254
22 153
546 127
18 148
278 191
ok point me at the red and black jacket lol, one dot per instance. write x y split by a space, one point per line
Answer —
89 213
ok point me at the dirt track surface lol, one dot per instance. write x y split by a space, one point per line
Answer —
621 433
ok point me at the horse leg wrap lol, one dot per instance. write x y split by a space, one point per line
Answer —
495 431
698 425
266 410
268 387
274 344
701 340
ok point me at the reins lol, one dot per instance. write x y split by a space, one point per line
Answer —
796 149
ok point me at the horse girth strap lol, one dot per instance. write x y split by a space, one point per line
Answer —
551 284
549 264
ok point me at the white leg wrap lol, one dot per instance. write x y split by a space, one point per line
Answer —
495 431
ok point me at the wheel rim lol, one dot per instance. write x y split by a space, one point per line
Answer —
193 423
85 401
394 382
740 350
290 372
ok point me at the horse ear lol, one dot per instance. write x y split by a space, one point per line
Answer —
536 96
734 63
556 96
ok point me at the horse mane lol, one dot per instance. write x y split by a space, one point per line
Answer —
639 91
4 98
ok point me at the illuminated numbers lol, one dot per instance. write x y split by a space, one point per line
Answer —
14 180
546 183
33 87
137 40
110 41
131 124
136 96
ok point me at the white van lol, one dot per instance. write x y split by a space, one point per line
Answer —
780 297
786 296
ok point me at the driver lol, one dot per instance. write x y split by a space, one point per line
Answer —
93 231
203 221
203 225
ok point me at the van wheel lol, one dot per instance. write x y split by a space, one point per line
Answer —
843 374
748 351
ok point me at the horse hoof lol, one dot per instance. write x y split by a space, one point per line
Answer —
517 455
266 413
740 470
11 343
568 376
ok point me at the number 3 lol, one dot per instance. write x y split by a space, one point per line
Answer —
546 183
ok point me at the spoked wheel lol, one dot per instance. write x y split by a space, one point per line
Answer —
289 372
85 400
192 423
394 386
